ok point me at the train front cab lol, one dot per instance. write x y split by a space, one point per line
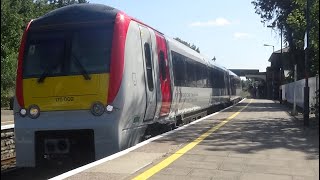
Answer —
88 90
68 78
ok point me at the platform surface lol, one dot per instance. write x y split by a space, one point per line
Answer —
6 117
256 139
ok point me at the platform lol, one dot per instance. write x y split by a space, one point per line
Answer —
256 139
6 117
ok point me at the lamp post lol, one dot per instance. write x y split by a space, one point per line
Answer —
270 45
281 69
306 67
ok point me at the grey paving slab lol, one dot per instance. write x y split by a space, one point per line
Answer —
215 174
268 169
182 171
127 164
305 178
196 164
262 176
173 177
96 176
233 164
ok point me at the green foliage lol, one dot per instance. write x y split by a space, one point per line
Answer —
290 16
61 3
15 14
188 44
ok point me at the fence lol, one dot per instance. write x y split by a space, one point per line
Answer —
297 87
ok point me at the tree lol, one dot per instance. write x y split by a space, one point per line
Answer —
61 3
15 14
194 47
289 15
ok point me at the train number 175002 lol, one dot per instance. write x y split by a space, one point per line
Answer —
65 98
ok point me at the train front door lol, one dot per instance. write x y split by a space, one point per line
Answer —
150 85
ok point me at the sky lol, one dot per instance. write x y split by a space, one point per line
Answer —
228 30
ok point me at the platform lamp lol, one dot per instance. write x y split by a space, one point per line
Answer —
270 45
272 72
306 68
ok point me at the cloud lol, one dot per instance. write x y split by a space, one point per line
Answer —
240 35
215 22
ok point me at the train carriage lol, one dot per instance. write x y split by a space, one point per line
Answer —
91 81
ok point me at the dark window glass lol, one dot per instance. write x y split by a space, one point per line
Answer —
218 78
162 66
89 48
190 74
147 53
179 69
45 52
207 77
221 79
202 79
59 53
198 74
210 81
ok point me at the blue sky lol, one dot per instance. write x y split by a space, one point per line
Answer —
227 29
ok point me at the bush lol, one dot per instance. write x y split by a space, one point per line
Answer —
8 74
6 97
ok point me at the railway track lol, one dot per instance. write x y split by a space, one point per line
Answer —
7 161
8 164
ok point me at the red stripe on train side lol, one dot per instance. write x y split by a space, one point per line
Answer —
117 54
165 84
19 79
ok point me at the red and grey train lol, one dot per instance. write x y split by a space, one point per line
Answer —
91 81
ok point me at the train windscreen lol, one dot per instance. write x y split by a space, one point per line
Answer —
77 51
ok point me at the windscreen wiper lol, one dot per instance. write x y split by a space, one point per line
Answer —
44 74
83 70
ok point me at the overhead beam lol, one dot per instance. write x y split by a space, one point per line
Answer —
244 72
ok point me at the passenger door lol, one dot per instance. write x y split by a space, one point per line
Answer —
164 75
150 86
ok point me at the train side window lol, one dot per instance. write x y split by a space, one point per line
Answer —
178 69
207 85
147 53
216 78
198 75
209 80
162 66
190 73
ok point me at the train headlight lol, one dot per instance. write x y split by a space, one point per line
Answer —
23 112
109 108
97 109
34 111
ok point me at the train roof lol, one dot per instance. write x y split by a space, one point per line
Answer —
232 73
184 50
77 13
85 12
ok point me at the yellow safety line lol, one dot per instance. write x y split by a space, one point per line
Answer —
158 167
